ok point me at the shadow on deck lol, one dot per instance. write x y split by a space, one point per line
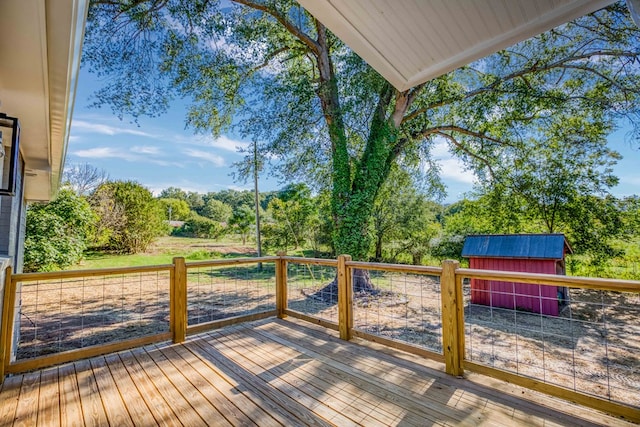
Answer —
269 373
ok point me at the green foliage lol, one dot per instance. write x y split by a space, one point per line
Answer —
57 232
290 218
217 210
193 199
233 198
202 227
273 72
130 218
403 220
174 209
241 222
630 215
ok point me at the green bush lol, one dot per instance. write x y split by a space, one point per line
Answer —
130 218
57 233
199 226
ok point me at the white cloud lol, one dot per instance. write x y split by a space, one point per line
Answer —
135 154
229 144
104 152
630 180
145 149
454 170
440 149
224 142
451 168
107 129
205 155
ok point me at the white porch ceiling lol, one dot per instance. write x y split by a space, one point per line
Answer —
412 41
40 44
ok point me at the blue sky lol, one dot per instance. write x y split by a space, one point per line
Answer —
160 153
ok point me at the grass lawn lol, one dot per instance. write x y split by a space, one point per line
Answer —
163 250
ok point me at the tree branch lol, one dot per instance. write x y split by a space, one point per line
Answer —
536 67
455 142
290 26
464 131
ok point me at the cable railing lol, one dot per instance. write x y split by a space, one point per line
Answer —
587 350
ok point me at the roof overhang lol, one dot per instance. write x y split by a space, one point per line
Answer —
409 42
40 45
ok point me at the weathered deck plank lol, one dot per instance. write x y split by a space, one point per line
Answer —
273 373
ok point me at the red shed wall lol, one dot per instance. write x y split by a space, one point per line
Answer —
534 298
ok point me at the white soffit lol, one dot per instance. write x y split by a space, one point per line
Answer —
412 41
40 43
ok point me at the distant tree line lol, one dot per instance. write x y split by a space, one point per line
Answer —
407 226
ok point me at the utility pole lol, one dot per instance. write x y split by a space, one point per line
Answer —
257 200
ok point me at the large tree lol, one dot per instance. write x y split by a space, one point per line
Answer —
275 72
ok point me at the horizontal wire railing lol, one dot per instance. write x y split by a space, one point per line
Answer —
54 315
218 291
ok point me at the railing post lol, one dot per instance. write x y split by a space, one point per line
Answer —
178 304
6 328
281 285
452 318
345 298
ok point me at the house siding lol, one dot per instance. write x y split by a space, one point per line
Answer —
13 223
12 236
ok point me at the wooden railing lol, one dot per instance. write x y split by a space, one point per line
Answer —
449 280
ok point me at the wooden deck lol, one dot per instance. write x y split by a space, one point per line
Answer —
271 373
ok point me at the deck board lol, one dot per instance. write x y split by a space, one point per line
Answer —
113 403
271 373
9 396
92 408
49 400
27 410
70 405
154 400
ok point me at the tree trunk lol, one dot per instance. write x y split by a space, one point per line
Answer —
361 282
378 255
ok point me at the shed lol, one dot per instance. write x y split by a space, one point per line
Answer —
530 253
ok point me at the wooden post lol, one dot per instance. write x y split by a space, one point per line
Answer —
178 305
281 285
345 298
452 318
6 328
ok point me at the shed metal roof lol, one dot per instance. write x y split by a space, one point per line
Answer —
539 246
